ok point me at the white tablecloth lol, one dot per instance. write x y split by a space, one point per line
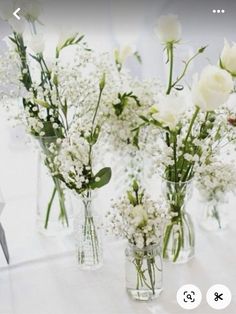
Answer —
44 278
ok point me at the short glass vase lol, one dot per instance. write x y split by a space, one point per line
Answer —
143 268
214 216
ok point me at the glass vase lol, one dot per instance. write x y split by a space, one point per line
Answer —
214 217
89 234
143 270
54 212
179 237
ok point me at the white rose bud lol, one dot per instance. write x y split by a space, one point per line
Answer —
212 89
36 43
228 58
168 28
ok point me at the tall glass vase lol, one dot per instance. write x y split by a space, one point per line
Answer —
143 272
89 234
54 212
179 238
214 216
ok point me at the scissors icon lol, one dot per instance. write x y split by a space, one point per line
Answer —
218 296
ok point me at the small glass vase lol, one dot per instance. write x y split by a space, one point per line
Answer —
179 237
143 270
214 217
54 212
89 234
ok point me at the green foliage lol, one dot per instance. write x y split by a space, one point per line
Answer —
124 101
135 195
104 176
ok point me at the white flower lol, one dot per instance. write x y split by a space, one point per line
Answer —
170 109
168 28
139 215
123 53
212 89
29 9
64 35
36 43
228 58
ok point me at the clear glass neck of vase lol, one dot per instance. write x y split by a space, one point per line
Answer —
179 189
87 200
146 249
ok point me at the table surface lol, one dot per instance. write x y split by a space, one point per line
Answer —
44 278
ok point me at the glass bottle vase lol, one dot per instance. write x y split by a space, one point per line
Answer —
54 211
89 234
214 217
179 237
143 269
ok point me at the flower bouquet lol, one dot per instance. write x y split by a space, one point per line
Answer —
214 182
72 162
46 105
193 126
140 220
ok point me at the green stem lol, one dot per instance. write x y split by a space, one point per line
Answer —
170 53
49 208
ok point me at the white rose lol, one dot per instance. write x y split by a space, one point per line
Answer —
212 89
170 109
36 43
228 58
29 9
168 28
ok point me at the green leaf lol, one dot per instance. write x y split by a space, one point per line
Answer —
104 176
138 57
42 103
135 186
131 198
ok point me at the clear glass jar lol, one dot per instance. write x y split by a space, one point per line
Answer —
88 231
179 236
143 269
214 216
54 211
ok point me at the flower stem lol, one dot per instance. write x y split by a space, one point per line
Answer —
170 53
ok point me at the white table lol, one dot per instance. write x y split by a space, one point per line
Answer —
44 277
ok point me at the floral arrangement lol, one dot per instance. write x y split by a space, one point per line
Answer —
137 218
193 127
215 180
140 220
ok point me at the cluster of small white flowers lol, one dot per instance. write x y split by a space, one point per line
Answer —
69 159
215 180
220 134
141 225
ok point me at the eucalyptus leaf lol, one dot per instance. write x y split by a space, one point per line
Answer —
104 176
